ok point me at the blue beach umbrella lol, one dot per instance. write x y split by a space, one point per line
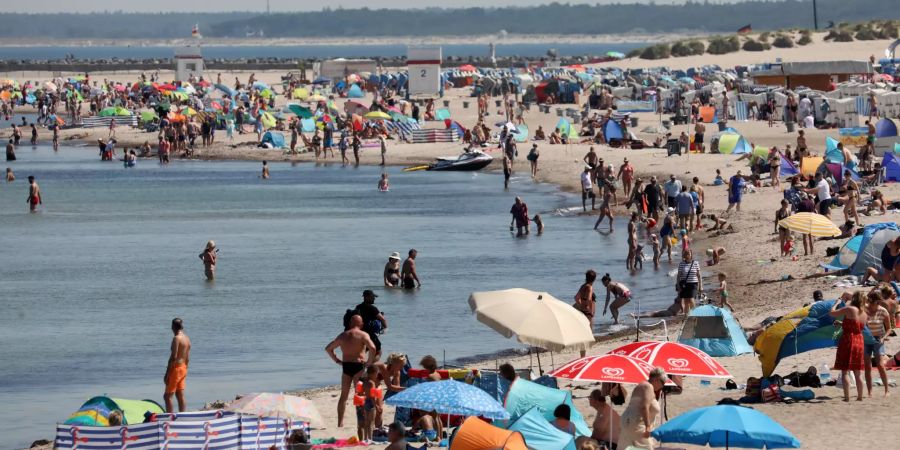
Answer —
449 397
725 426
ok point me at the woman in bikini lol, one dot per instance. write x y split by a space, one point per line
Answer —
851 198
585 299
621 293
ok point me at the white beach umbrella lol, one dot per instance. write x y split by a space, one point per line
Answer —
535 318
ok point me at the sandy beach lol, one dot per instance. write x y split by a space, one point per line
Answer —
753 263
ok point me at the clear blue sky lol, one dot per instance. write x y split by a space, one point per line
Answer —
36 6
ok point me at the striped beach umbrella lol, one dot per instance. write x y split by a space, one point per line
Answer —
810 223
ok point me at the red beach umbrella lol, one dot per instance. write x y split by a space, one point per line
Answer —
606 368
675 359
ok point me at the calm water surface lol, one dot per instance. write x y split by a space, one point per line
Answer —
89 285
312 51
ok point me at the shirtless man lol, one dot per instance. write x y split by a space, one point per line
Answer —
34 194
176 370
607 423
632 240
354 343
408 272
592 160
699 129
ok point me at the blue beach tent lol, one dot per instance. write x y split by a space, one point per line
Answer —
891 166
355 92
714 331
864 250
273 138
612 130
540 434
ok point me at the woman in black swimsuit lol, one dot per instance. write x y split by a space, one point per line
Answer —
392 271
585 298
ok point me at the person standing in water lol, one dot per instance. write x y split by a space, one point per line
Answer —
265 170
619 291
10 176
10 151
408 274
177 368
34 194
209 260
384 184
392 271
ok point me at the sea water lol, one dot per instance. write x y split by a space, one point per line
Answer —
531 50
90 284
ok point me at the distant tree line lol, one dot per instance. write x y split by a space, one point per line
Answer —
553 18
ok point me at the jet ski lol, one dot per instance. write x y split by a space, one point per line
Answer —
468 161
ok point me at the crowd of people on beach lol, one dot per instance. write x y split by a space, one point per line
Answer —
665 215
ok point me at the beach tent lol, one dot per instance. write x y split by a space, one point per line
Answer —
95 412
273 138
810 164
300 93
708 114
891 165
885 128
476 434
308 125
355 92
612 130
524 395
566 129
805 329
733 144
788 168
864 250
539 434
714 331
522 135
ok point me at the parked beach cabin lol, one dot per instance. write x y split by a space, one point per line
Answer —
819 75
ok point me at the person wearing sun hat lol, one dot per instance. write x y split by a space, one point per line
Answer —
392 270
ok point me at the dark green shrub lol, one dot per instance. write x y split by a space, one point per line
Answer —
658 51
721 45
783 41
866 34
753 46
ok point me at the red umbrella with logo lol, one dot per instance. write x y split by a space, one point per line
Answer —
608 368
674 358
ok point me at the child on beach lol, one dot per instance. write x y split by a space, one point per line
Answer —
718 181
654 242
539 223
723 292
685 241
265 170
372 396
229 130
383 184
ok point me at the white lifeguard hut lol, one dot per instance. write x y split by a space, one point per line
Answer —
188 61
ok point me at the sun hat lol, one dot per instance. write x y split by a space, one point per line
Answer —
395 255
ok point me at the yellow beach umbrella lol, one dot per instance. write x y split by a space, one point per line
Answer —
377 115
811 223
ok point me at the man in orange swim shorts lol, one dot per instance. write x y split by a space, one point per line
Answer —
176 371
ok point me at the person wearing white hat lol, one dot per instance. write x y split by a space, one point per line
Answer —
209 260
392 270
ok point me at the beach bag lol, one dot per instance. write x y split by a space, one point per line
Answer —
769 392
753 388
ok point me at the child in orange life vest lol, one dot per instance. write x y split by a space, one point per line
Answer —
366 401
